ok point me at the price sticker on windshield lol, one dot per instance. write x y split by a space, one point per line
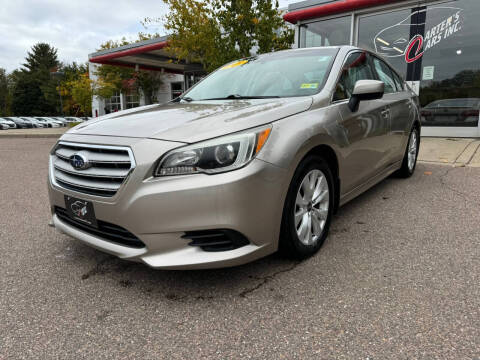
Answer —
235 64
309 86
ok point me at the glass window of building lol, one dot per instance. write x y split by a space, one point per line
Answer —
113 104
177 89
450 66
132 99
388 35
329 32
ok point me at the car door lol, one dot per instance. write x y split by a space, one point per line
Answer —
400 109
365 147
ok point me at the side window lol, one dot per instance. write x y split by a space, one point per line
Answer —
398 81
357 67
385 75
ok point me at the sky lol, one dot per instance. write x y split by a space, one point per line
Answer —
75 27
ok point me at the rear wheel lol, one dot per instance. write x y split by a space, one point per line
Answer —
308 209
411 154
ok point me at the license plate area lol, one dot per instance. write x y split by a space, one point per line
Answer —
81 211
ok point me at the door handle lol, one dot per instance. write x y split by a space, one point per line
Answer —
385 113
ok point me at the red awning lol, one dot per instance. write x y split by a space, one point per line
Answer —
101 59
336 7
146 55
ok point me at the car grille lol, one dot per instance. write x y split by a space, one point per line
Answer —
105 230
109 168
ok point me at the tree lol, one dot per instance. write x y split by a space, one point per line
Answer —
42 57
35 91
5 95
28 97
72 73
112 79
81 91
213 32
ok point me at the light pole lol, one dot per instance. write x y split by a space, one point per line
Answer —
59 75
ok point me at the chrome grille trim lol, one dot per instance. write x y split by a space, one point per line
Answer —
111 166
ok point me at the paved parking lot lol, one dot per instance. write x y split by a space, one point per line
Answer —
398 278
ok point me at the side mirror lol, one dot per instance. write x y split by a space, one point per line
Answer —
366 90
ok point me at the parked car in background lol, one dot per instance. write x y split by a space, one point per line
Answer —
73 119
49 122
19 122
11 124
60 119
35 123
4 125
452 112
256 157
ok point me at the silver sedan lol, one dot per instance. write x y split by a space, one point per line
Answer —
256 157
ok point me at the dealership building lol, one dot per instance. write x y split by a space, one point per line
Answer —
149 55
434 45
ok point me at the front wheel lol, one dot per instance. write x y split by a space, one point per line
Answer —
411 154
308 209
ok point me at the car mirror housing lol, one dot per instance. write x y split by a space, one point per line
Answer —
366 90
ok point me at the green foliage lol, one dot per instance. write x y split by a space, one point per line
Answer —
28 98
112 79
81 91
42 57
34 90
5 94
149 82
213 32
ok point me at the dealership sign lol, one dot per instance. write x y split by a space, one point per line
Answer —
390 43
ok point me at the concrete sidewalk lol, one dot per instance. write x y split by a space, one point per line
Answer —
34 133
451 151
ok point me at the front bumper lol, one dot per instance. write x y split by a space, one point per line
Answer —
160 210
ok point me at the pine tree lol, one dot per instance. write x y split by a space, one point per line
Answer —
4 94
42 57
35 91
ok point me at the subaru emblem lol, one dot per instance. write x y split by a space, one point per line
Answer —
79 161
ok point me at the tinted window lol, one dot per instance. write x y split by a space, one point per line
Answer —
450 65
385 74
357 67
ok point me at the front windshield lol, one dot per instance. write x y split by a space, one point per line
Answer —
282 74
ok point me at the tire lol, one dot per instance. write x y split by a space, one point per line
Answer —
409 164
291 242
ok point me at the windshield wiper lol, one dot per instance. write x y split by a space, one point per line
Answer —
241 97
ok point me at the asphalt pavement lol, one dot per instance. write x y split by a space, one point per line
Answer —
398 278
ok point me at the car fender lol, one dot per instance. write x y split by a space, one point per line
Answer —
294 137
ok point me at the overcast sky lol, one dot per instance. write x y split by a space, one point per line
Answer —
75 27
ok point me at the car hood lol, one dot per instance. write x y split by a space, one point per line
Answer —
195 121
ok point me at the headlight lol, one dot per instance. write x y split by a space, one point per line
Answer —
214 156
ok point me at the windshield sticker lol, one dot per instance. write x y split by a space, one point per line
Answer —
309 86
235 64
389 44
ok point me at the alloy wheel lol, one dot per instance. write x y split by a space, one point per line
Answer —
412 150
311 207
